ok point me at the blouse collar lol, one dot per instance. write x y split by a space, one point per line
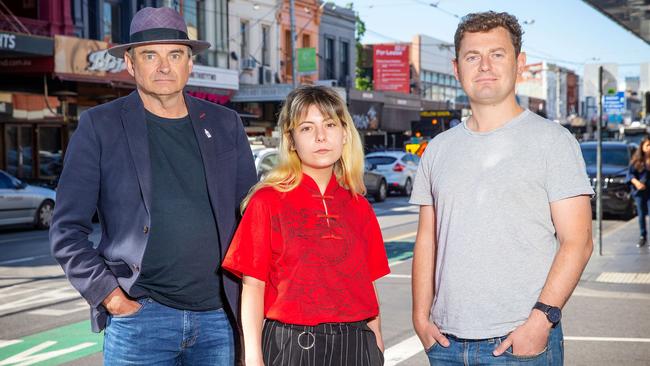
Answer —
310 184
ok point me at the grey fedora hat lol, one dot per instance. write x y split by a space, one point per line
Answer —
156 26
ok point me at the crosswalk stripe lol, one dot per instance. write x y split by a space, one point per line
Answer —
402 351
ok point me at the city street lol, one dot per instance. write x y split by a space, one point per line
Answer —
43 321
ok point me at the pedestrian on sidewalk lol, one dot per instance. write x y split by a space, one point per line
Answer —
166 173
637 177
309 246
505 218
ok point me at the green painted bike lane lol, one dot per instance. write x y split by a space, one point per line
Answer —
52 347
64 344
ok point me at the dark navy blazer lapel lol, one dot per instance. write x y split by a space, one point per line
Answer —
207 139
135 126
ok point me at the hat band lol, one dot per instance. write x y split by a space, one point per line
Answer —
158 34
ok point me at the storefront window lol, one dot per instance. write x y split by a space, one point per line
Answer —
266 44
329 59
49 152
345 63
18 141
191 16
111 21
11 141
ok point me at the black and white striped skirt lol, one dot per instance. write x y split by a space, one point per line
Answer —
328 344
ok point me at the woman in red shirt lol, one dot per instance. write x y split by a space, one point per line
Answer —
309 246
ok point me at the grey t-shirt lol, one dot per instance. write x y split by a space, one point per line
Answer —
495 238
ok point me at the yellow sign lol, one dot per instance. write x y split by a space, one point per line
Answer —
412 148
435 114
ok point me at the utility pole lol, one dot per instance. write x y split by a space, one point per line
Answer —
294 67
599 165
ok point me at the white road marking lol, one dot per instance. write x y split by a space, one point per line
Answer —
623 277
404 208
390 275
587 292
78 306
25 288
31 356
402 351
607 339
401 237
24 238
52 296
10 342
25 259
393 264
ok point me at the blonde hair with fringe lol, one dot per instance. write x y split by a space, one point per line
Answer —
288 174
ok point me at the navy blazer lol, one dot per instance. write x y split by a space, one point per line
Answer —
107 169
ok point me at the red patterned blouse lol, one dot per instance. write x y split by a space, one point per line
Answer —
318 254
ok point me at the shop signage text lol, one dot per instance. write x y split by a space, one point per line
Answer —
103 61
7 41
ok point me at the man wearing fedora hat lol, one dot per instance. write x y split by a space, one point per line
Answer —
166 173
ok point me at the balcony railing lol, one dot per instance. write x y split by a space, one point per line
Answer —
35 26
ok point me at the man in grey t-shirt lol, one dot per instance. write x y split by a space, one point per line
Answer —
505 219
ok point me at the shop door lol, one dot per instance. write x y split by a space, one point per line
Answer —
18 142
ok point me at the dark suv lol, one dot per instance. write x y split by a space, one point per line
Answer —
616 159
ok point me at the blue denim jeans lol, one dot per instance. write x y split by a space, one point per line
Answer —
479 352
160 335
642 202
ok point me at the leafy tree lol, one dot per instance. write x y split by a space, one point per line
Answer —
361 81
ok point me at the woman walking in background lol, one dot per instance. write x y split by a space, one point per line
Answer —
309 246
637 176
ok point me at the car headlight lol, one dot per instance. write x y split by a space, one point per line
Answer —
615 180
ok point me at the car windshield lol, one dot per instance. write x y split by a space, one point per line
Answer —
380 160
612 155
635 138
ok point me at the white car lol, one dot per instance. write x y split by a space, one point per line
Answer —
266 158
399 168
21 203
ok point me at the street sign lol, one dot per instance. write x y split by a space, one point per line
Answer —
306 61
614 104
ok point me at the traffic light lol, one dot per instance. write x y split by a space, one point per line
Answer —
647 103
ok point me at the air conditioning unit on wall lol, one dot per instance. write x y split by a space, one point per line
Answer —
248 63
265 75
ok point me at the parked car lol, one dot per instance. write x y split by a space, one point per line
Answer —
617 199
376 185
399 168
21 203
266 158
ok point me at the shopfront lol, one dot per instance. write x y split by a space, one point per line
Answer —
77 75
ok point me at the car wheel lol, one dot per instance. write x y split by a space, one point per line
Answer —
382 192
631 212
408 187
44 215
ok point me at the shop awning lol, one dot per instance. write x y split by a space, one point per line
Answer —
262 93
630 14
25 45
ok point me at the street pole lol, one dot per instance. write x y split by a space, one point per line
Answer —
599 165
294 67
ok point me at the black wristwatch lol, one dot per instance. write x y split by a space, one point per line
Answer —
553 313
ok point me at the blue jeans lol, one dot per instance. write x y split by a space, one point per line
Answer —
479 352
160 335
642 201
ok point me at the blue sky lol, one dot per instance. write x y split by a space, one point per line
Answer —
563 30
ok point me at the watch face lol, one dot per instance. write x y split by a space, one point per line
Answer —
554 315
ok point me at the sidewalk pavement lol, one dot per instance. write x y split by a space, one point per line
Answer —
621 261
